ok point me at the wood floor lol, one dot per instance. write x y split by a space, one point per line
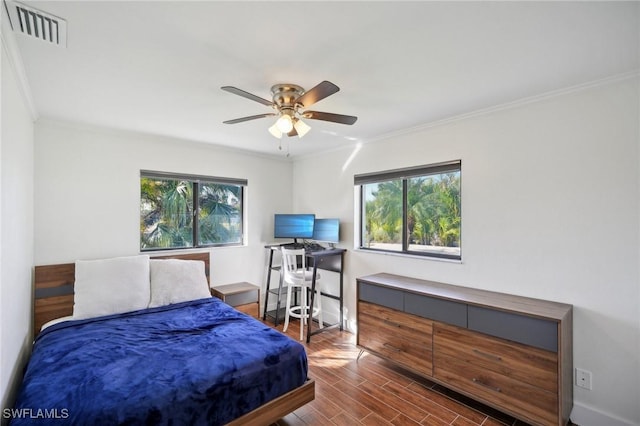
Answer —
371 391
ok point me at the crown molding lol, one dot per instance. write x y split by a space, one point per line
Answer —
10 46
153 137
355 143
510 105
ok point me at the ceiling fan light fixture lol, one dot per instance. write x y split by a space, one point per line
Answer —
285 123
291 103
301 127
275 132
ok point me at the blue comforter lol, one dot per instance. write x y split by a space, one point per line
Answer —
198 362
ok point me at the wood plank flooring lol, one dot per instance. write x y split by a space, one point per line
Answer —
371 391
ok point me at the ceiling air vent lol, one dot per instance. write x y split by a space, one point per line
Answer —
38 24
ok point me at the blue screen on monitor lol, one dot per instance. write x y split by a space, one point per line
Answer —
327 230
293 225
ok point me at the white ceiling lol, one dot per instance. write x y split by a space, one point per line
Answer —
157 66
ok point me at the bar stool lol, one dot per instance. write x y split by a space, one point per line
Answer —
296 276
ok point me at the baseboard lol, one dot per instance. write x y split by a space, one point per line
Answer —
586 416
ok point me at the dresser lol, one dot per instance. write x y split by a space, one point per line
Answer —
510 352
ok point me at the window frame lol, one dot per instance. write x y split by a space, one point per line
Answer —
404 174
196 181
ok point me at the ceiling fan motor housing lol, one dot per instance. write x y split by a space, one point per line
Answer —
285 95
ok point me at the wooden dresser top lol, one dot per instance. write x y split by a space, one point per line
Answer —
472 296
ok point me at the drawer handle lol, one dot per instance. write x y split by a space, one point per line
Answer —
481 383
391 323
393 348
486 355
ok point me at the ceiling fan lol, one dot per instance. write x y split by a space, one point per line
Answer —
290 102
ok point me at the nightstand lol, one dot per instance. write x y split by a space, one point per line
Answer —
243 296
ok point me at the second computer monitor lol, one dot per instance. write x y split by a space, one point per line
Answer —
326 230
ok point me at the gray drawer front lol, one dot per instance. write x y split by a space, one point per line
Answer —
381 296
536 332
436 309
242 298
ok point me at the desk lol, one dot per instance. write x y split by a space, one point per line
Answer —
331 259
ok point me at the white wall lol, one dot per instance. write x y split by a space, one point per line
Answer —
550 209
16 231
87 186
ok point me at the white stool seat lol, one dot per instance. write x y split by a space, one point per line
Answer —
296 276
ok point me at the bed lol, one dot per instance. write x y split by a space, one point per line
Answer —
195 361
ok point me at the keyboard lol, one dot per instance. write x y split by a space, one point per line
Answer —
293 246
313 247
307 246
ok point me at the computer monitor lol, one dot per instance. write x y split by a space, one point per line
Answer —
293 226
326 230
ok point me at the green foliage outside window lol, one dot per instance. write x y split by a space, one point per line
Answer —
428 223
220 214
167 218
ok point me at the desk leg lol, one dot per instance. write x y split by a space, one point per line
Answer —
341 291
280 282
311 302
268 286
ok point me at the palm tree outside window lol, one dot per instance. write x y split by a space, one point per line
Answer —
186 211
414 211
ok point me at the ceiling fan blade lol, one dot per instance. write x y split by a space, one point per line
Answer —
251 117
327 116
293 132
247 95
319 92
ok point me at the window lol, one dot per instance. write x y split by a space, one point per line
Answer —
412 211
184 211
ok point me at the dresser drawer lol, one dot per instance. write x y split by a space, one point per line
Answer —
541 333
379 295
416 326
529 365
532 403
436 309
410 353
403 338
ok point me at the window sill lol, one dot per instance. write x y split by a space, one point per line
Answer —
407 255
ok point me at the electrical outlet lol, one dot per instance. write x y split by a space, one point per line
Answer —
583 378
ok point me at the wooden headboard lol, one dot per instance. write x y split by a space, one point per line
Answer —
53 296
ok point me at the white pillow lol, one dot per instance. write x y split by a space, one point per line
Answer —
111 286
56 321
174 281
